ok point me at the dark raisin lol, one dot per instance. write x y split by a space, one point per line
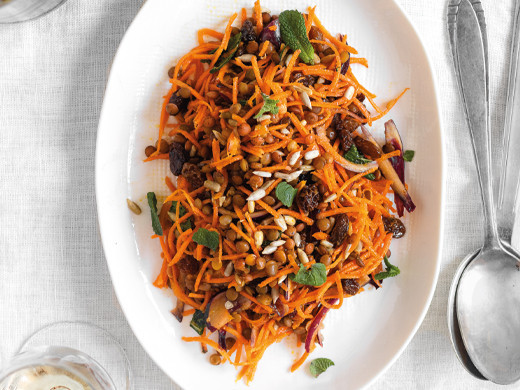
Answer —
360 97
350 286
180 102
248 31
188 265
340 230
295 77
368 148
394 226
308 198
309 80
193 175
345 139
178 157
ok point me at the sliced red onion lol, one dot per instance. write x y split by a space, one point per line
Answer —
393 138
315 324
389 172
177 312
345 65
222 339
272 36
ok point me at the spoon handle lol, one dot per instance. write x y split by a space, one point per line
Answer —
510 177
469 55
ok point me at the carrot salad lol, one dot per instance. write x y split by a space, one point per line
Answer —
284 204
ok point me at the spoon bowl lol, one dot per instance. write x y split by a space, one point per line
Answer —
489 290
453 321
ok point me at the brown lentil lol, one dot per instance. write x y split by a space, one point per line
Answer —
242 246
215 359
271 268
149 150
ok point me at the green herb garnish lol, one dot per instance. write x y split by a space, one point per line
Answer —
228 54
355 157
314 276
319 366
286 193
294 34
207 238
198 321
269 106
213 51
156 224
185 225
391 271
408 155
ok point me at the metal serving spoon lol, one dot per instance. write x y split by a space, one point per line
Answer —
488 293
510 174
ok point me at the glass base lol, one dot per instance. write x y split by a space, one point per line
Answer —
89 339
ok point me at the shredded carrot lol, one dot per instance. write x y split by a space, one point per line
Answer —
216 241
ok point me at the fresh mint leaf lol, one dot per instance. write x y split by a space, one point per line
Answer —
314 276
198 321
185 225
156 224
269 106
355 157
207 238
286 193
391 271
213 51
294 34
408 155
319 366
228 54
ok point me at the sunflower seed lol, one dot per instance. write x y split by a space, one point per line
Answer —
262 173
330 198
306 100
257 195
267 184
263 118
278 243
294 158
304 259
251 206
316 59
290 220
297 239
280 221
246 57
212 185
259 238
134 207
326 244
229 269
350 92
307 168
312 154
228 305
269 250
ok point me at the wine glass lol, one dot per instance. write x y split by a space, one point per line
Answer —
68 356
15 11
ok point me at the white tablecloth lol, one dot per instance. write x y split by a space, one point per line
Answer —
52 77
